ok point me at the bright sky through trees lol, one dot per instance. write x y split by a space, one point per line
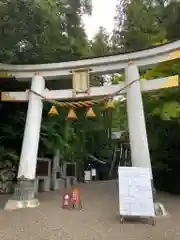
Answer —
103 14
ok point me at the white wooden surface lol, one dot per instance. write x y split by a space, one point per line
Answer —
135 192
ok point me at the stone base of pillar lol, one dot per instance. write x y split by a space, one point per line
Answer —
159 207
61 184
58 184
15 204
70 181
47 184
24 195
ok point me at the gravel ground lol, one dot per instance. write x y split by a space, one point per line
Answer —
97 221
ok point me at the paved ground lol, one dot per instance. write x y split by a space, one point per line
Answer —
97 221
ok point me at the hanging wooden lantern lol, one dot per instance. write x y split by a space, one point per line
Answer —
90 113
53 111
72 115
109 105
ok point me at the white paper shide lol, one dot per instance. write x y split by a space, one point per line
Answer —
87 175
93 172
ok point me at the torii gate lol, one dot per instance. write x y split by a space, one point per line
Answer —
24 195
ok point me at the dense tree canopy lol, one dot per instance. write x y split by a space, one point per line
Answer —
100 45
41 31
141 24
37 31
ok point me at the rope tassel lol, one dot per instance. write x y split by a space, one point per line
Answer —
53 111
72 115
90 113
109 105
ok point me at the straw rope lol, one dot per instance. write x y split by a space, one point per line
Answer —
84 104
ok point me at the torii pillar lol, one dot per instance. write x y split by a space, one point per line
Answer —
140 156
24 194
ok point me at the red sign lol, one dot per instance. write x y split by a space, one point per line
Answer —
66 200
75 199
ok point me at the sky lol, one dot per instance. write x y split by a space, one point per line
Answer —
102 16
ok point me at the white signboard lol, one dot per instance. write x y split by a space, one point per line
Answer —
93 171
135 192
87 175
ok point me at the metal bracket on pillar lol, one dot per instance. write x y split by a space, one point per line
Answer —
81 82
131 62
6 97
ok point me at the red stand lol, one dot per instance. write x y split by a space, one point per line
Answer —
66 201
76 200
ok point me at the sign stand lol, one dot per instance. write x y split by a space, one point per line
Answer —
151 220
135 194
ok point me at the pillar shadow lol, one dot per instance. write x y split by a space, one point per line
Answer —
3 199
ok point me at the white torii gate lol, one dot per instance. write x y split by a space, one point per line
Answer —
38 74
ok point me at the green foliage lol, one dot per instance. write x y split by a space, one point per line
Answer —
8 156
40 31
172 19
164 69
119 120
141 24
140 27
100 44
117 78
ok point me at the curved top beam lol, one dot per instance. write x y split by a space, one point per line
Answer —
98 65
